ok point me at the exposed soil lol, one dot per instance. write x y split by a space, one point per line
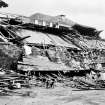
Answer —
57 96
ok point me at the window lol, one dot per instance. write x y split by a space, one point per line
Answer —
36 21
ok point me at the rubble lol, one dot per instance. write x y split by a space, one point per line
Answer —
49 43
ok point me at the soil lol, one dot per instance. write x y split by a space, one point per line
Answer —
56 96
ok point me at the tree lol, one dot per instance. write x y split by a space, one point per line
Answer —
3 4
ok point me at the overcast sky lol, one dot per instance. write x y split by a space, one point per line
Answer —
87 12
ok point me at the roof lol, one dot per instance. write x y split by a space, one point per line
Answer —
44 38
87 31
39 37
60 42
53 19
63 21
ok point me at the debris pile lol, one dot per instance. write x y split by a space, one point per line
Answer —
50 43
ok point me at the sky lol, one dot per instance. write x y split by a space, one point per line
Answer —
86 12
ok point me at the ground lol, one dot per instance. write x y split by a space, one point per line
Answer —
57 96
